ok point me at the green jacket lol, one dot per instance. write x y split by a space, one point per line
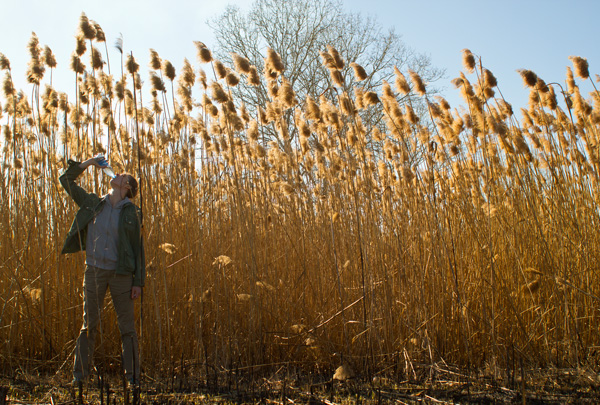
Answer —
129 247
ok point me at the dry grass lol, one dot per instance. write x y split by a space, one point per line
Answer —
471 239
549 386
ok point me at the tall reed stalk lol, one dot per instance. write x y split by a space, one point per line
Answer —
302 233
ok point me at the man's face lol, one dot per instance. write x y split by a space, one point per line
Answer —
120 182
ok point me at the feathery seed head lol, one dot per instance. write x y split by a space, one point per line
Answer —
120 89
581 106
274 60
468 60
63 103
87 30
131 64
418 84
351 137
410 115
204 54
487 93
435 110
100 37
229 106
359 72
188 77
49 58
571 86
521 145
232 79
581 66
272 89
370 98
534 99
336 77
489 78
206 103
443 103
303 128
529 77
377 135
157 82
388 94
274 111
4 62
313 112
242 65
358 97
80 46
287 95
339 62
202 78
244 113
119 44
466 88
253 77
268 72
155 61
541 86
253 131
35 71
76 65
328 60
330 114
458 124
96 59
506 108
457 82
105 104
34 46
236 123
217 93
220 69
401 83
168 70
346 105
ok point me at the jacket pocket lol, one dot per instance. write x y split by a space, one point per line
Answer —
130 221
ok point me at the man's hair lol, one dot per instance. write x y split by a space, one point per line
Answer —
132 192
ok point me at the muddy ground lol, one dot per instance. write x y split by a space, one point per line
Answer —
549 386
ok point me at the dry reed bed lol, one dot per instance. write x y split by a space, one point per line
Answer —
292 232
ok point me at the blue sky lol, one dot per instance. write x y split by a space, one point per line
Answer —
508 34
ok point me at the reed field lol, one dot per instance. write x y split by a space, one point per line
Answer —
297 234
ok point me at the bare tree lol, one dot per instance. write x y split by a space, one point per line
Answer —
298 30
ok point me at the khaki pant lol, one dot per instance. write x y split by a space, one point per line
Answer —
95 283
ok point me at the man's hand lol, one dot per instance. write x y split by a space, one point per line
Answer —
136 292
97 161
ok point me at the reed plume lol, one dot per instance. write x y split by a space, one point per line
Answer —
581 67
362 220
359 72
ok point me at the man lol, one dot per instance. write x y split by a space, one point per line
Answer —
108 229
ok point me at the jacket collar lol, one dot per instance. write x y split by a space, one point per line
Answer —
124 202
